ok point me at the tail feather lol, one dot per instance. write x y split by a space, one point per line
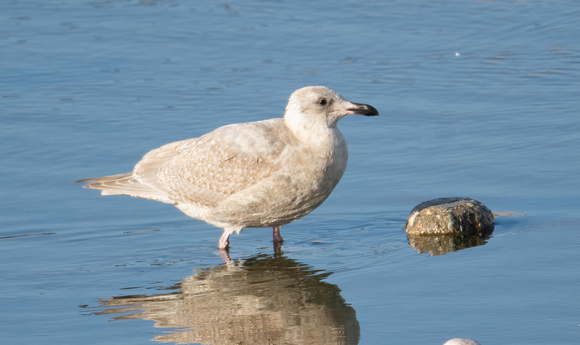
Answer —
125 184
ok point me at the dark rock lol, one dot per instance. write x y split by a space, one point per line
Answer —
450 216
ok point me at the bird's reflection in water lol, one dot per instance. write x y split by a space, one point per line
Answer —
262 300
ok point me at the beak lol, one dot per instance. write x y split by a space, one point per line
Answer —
362 109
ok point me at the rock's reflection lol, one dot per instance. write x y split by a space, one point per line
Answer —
442 244
262 300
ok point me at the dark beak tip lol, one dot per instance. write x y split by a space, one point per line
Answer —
365 109
372 111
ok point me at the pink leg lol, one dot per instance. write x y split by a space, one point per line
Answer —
224 240
225 255
278 240
276 235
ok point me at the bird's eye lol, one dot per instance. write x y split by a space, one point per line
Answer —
322 101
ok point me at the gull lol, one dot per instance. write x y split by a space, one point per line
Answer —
249 175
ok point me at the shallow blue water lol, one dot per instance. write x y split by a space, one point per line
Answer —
477 99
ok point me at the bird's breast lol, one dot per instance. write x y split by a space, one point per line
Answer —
305 176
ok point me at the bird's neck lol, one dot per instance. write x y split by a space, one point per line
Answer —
313 133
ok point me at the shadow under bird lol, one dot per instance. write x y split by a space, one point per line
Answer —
249 175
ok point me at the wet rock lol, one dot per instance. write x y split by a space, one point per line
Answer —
444 225
450 216
461 341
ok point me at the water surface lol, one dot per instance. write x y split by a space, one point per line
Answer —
477 99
